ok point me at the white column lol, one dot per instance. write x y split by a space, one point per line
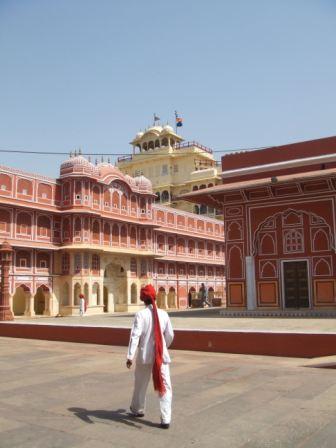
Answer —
250 283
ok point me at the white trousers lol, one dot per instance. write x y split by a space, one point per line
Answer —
142 375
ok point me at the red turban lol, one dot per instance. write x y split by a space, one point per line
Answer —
148 293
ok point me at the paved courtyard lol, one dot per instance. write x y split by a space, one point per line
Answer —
55 394
199 319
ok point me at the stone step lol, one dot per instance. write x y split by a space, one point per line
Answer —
279 313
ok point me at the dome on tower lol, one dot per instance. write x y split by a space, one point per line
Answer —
167 129
143 183
155 129
77 163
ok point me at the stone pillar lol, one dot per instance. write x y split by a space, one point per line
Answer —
6 253
29 305
47 304
250 283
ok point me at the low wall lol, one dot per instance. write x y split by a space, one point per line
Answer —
301 345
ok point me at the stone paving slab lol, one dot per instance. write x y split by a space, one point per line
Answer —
203 319
56 394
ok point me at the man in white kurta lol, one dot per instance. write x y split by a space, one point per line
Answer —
142 340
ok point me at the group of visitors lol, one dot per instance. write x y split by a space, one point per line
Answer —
203 296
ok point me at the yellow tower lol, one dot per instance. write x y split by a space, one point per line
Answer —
174 166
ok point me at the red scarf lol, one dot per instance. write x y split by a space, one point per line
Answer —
148 293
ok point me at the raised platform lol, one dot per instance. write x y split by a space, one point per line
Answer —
294 313
272 343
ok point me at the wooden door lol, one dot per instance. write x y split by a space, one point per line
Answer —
296 284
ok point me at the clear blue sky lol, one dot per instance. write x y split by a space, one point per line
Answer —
91 73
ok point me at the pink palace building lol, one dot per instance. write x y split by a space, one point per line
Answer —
97 232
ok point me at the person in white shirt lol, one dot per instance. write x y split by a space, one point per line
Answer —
81 304
151 335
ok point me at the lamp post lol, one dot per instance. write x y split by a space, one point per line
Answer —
6 253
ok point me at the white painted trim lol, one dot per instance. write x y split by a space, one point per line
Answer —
277 165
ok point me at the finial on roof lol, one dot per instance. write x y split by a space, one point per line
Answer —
80 151
75 152
96 161
70 155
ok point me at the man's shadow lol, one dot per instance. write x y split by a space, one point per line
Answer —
119 416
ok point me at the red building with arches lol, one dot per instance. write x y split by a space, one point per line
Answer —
279 214
96 231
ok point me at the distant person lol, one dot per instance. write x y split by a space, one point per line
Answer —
204 295
82 305
189 299
151 334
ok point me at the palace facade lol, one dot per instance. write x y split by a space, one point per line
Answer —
96 231
174 167
280 225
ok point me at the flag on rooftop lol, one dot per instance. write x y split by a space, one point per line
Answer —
178 120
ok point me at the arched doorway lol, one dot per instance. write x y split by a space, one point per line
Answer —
172 298
77 291
19 300
65 295
161 298
41 300
105 299
134 297
115 281
95 299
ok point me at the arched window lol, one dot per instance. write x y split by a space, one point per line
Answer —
44 191
95 263
78 227
107 231
65 295
96 195
165 196
5 183
115 234
107 198
180 246
191 247
66 229
65 265
43 226
23 224
66 191
115 200
96 232
123 202
203 209
143 239
5 221
123 234
133 236
161 243
25 187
